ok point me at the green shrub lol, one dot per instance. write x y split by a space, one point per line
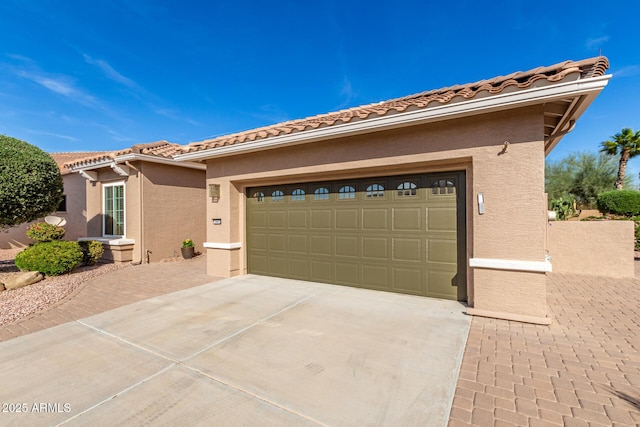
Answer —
92 251
50 258
620 202
43 232
30 182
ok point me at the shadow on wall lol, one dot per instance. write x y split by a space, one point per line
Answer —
94 226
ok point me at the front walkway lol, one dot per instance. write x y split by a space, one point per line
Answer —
114 290
582 370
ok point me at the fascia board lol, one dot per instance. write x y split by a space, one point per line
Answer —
153 159
93 165
499 102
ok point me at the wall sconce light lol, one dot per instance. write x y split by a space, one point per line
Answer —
217 221
214 192
481 203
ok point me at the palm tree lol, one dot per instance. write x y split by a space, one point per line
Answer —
626 144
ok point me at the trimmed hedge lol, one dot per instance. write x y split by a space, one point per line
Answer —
44 232
50 258
620 202
92 251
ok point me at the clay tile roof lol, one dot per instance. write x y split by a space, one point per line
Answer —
159 148
63 158
592 67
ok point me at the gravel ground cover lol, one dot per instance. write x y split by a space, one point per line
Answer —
19 303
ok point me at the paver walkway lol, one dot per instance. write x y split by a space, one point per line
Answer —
113 290
582 370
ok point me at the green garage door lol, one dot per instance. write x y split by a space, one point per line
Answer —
400 234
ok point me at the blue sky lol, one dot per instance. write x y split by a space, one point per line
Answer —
107 74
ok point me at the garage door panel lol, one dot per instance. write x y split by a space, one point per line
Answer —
321 271
277 243
258 241
298 220
322 245
408 249
259 264
347 246
441 218
258 219
376 248
407 280
442 251
440 284
298 244
347 273
407 219
347 219
401 234
376 277
375 219
277 219
278 266
299 268
321 219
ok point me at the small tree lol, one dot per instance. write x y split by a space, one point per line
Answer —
30 182
626 144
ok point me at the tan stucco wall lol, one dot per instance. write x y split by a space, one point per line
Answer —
603 248
164 205
513 226
76 226
173 209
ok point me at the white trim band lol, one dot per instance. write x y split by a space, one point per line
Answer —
511 264
109 241
216 245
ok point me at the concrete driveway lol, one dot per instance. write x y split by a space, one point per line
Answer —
242 351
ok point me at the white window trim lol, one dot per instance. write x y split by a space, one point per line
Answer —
124 208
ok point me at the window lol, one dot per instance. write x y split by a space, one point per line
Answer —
297 195
375 190
321 194
442 186
347 192
407 188
259 196
277 196
113 215
62 207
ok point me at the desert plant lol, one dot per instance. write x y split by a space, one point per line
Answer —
620 202
564 207
188 243
50 258
30 182
44 232
92 251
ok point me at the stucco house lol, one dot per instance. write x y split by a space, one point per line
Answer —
72 208
438 194
141 203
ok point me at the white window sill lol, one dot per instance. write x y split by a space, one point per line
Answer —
113 241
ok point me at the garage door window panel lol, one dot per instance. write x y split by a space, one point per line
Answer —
347 192
321 194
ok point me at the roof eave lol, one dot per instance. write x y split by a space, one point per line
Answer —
161 160
589 87
130 157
